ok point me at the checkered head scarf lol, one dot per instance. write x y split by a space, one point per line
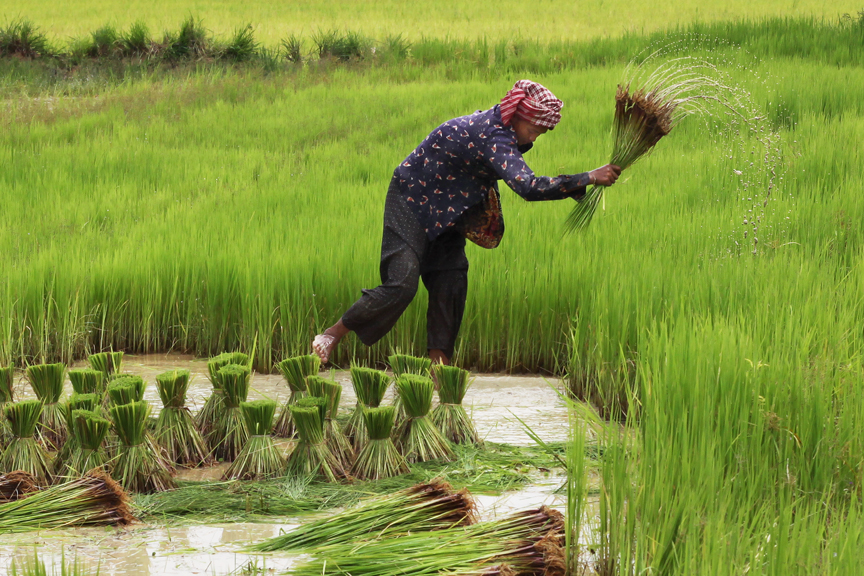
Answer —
532 102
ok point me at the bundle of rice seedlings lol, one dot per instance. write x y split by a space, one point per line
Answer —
16 485
311 456
89 430
126 388
331 391
88 381
449 416
206 417
294 370
260 458
87 402
379 458
47 383
106 362
93 500
175 428
423 507
405 364
6 384
136 467
417 438
369 386
23 452
229 434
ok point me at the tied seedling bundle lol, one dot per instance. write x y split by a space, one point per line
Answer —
89 430
106 362
417 438
424 507
311 456
88 381
137 467
405 364
450 416
16 485
23 452
259 458
369 386
213 406
294 370
124 389
47 383
6 384
331 391
229 434
379 458
75 402
175 428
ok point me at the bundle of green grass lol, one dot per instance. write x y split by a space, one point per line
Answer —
47 383
175 428
89 430
259 458
76 402
24 453
126 388
379 458
137 467
402 364
417 438
6 384
450 416
295 371
311 456
228 433
108 363
370 385
213 406
88 381
336 440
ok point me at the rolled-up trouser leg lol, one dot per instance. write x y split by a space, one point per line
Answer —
445 274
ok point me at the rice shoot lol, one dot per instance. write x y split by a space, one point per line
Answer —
379 458
175 428
75 402
311 457
108 363
89 430
369 387
126 388
405 364
294 370
47 383
137 467
260 458
6 395
417 438
333 435
206 417
229 434
23 452
88 381
450 416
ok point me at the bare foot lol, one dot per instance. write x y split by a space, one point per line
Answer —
323 344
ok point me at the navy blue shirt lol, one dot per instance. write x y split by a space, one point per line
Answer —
456 165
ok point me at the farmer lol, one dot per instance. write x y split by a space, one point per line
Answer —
444 192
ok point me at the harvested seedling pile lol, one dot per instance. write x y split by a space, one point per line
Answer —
259 458
175 428
16 485
369 386
89 430
108 363
331 391
125 388
23 452
213 406
76 402
311 456
137 467
88 381
417 438
450 416
294 370
47 383
229 433
405 364
379 458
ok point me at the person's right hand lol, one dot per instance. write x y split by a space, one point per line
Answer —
605 175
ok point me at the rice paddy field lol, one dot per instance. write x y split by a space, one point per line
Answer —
707 327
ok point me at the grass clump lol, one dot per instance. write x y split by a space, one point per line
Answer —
88 381
89 430
294 370
136 41
336 440
311 457
379 458
213 406
47 383
292 49
137 467
191 42
450 416
342 46
259 458
23 38
108 363
417 438
229 433
175 429
369 386
23 452
242 47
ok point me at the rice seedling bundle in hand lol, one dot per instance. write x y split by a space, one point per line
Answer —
175 428
417 438
331 391
405 364
450 416
75 402
294 370
6 384
379 458
311 456
136 466
124 389
423 507
106 362
23 452
229 434
89 430
16 485
213 405
93 500
47 383
259 458
369 386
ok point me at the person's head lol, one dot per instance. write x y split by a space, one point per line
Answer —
526 132
531 110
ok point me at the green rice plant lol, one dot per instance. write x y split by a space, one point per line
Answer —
103 42
341 46
311 457
206 417
370 386
88 381
23 452
259 458
87 402
126 388
242 46
417 438
136 41
191 42
16 485
106 362
175 429
6 396
229 433
35 566
334 437
136 467
92 500
424 507
21 37
89 430
450 416
294 370
379 458
405 364
47 383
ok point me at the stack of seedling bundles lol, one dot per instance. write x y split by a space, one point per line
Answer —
137 466
47 383
312 456
89 430
379 458
106 362
6 384
88 381
213 406
23 452
259 458
369 386
294 370
76 402
450 416
405 364
417 438
175 428
228 433
16 485
331 391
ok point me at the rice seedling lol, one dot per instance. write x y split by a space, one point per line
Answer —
88 381
36 566
259 458
369 386
23 38
417 438
23 452
136 467
6 396
87 402
108 363
229 433
379 458
126 388
294 370
450 416
242 46
136 41
16 485
92 500
175 428
47 383
206 417
333 435
311 457
405 364
89 430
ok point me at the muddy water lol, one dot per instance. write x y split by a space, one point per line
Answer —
216 549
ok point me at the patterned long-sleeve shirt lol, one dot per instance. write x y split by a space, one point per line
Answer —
454 167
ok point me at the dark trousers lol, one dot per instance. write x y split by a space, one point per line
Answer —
407 255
